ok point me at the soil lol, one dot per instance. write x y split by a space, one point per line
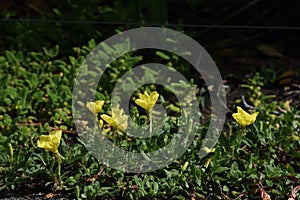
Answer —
36 192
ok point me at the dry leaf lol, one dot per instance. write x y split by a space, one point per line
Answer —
269 50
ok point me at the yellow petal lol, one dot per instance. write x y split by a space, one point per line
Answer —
208 150
101 123
143 104
55 137
95 107
98 105
144 96
118 120
43 142
91 106
108 119
153 97
286 105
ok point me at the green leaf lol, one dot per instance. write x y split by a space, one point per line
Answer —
92 44
2 109
51 53
3 139
225 188
7 101
162 55
221 170
33 80
38 95
5 80
146 156
37 56
72 60
12 58
155 187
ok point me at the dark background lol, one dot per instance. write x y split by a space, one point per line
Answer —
232 31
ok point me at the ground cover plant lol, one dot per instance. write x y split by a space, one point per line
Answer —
41 154
257 154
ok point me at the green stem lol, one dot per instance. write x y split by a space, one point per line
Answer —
77 192
59 172
150 119
240 135
11 156
51 168
31 142
58 159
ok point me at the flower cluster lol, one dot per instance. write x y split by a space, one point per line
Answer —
118 120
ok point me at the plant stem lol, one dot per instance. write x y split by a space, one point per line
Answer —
51 169
11 156
150 119
240 135
58 159
59 172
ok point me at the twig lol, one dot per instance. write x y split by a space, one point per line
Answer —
294 193
246 104
97 175
37 124
240 195
224 195
264 194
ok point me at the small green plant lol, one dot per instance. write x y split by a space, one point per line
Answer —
254 93
257 155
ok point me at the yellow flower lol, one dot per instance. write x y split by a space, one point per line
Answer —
286 105
244 118
294 137
208 150
117 120
147 101
95 107
50 142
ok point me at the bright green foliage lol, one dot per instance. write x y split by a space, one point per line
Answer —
35 97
